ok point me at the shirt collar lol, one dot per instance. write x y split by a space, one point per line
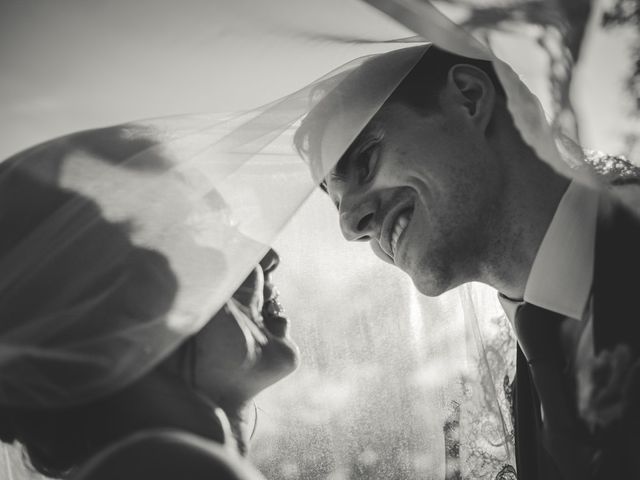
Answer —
562 272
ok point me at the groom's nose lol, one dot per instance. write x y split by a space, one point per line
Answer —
358 218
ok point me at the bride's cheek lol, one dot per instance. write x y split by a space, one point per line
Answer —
223 344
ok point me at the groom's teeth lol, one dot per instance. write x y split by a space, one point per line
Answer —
401 223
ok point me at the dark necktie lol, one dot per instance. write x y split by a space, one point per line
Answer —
539 334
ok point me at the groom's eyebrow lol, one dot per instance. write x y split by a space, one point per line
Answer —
340 170
342 167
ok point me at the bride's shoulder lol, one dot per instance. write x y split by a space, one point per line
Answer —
167 455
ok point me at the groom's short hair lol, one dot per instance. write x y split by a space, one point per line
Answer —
419 89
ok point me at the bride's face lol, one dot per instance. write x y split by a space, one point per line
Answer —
245 347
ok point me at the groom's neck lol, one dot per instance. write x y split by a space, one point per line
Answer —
532 195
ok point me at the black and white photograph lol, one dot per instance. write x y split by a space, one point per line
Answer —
319 240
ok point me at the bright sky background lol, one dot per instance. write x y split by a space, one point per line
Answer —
75 64
70 65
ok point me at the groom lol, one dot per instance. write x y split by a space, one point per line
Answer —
441 184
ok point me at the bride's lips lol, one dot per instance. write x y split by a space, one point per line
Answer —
273 313
277 325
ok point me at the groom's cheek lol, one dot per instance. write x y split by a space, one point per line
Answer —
375 246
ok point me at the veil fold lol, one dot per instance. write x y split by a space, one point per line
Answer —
195 200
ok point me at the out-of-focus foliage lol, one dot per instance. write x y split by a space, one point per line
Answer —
558 27
626 14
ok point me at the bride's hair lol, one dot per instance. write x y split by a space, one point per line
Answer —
57 441
127 280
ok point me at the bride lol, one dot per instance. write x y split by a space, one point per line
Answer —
105 372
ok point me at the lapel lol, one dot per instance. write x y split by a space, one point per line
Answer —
616 319
616 286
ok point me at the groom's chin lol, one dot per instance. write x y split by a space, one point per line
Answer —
430 283
429 289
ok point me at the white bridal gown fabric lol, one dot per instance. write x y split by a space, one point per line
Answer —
393 384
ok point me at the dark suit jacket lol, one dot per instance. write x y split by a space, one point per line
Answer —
616 320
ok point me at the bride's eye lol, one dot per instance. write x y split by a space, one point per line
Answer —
366 162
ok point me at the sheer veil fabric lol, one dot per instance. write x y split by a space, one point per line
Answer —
135 235
200 198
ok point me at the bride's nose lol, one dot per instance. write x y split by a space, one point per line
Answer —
270 261
250 293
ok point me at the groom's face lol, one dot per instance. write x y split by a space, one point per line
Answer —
422 189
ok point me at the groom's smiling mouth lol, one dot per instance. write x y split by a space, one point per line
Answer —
393 229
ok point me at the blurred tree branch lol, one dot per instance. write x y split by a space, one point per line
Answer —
626 14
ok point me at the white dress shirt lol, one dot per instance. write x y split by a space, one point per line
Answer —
561 276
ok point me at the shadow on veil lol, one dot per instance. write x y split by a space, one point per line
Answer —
85 309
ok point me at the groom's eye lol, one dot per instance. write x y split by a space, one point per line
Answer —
366 162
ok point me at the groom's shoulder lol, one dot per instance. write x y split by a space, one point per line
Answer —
619 214
616 270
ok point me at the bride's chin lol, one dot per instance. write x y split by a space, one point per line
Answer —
279 358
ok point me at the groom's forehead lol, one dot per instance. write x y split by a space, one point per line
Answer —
339 140
381 127
339 170
345 110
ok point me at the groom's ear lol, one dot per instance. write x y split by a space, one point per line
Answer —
471 90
